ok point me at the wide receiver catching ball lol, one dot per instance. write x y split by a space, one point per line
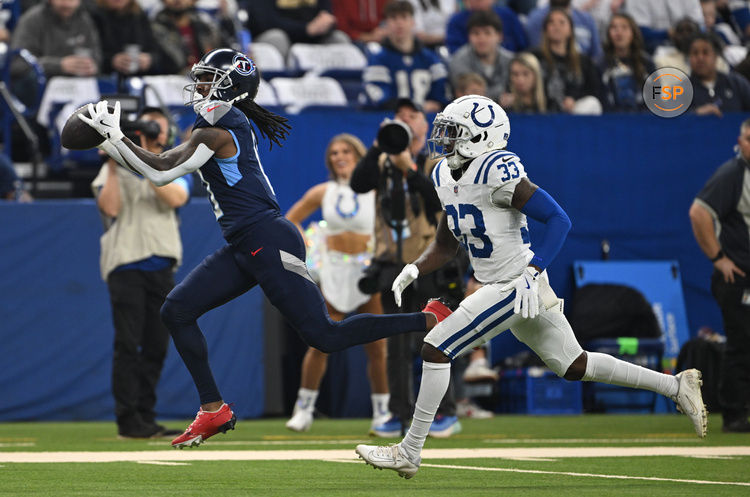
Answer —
77 135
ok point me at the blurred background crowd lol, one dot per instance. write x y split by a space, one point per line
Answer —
532 56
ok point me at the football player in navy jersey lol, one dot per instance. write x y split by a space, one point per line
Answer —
263 247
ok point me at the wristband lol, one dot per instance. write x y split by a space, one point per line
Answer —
718 256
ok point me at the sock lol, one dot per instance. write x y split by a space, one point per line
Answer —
435 379
380 403
217 410
607 369
306 399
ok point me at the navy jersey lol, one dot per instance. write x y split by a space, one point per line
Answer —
239 190
391 74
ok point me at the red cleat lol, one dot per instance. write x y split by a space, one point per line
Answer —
438 308
206 424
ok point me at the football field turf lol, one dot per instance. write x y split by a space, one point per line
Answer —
639 455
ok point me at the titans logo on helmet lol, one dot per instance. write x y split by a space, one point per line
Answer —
243 65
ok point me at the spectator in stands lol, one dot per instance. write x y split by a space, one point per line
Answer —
361 20
571 81
483 54
140 250
719 26
62 36
721 207
345 254
658 18
457 34
625 66
404 67
128 44
282 23
585 31
676 54
431 18
184 33
469 83
525 87
11 186
715 92
736 14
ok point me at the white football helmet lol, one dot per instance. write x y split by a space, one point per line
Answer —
468 127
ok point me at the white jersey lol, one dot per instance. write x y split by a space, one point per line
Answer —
495 235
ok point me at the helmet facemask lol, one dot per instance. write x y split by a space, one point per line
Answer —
220 82
446 140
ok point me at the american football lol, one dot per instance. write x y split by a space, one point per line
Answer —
77 135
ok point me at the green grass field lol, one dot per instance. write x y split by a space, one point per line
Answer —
640 455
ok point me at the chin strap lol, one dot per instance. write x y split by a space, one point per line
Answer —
456 161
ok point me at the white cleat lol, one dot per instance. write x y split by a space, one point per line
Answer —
690 401
301 420
388 457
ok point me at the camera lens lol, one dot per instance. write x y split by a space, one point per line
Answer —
394 137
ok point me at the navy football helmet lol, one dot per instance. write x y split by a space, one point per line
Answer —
234 77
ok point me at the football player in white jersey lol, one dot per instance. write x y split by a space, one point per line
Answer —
487 196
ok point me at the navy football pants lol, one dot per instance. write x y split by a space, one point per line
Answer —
271 255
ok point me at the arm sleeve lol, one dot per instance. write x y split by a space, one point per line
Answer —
543 208
161 178
366 174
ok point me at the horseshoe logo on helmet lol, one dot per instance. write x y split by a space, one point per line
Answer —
486 123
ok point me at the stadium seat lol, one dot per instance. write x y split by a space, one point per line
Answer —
62 96
322 58
266 95
163 90
269 59
310 90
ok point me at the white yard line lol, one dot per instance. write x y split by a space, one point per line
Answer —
164 463
201 454
589 475
586 440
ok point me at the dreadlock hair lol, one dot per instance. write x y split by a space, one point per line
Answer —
271 126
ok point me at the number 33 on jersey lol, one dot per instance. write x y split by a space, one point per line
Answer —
479 214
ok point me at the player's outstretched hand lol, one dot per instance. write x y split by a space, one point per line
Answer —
106 124
527 293
404 279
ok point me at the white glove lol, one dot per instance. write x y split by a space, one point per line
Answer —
106 124
404 279
527 293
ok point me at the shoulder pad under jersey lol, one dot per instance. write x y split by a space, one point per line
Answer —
498 167
212 110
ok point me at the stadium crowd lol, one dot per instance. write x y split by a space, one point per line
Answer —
573 56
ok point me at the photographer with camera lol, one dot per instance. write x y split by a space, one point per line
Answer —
140 250
405 220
